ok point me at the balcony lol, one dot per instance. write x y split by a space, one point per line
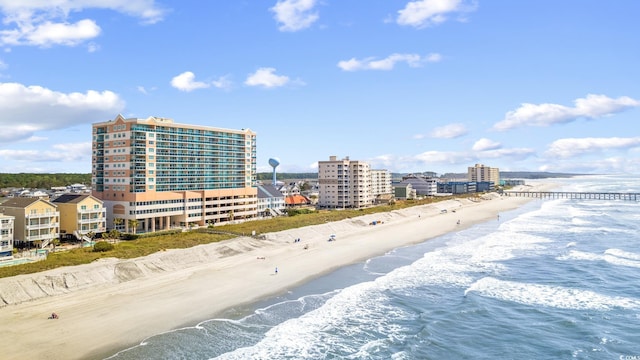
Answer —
43 237
29 227
41 216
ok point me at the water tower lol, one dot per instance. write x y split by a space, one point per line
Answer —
274 162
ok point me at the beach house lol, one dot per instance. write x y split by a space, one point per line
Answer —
37 221
80 215
6 236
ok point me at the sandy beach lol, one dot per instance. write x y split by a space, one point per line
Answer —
113 304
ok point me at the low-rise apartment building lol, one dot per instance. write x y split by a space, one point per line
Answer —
6 235
36 220
81 215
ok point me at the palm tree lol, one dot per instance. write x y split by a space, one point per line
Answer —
133 224
117 222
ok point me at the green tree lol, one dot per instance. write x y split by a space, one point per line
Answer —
133 225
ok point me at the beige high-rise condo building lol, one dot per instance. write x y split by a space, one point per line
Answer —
479 173
154 174
344 183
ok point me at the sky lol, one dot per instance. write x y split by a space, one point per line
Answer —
408 86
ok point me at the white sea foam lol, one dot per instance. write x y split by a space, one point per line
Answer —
580 255
550 296
361 312
612 256
623 254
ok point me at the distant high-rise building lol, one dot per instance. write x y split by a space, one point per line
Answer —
344 183
481 172
155 174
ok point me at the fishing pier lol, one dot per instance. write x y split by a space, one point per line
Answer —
574 195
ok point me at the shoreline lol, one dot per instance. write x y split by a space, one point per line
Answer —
205 281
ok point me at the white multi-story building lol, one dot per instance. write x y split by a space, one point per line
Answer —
479 173
154 174
344 183
381 183
6 235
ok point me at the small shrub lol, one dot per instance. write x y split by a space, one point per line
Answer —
102 246
129 236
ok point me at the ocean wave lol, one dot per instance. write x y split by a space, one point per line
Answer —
612 256
622 254
550 296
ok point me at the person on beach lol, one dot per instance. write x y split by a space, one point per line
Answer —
276 270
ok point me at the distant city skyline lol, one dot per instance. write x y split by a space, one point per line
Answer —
408 86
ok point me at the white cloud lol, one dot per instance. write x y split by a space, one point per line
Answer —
565 148
611 165
186 82
450 131
423 13
46 23
486 144
294 15
59 153
590 107
28 109
48 34
388 63
92 47
265 77
223 82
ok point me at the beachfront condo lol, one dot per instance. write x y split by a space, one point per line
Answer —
479 173
81 215
37 220
344 183
6 236
154 174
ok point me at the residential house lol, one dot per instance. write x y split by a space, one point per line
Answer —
270 200
36 220
422 185
297 200
81 215
6 236
404 191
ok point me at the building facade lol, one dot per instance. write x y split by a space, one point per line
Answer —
481 172
270 200
423 186
380 182
6 235
344 183
36 220
81 215
153 174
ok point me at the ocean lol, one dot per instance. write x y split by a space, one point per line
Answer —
554 279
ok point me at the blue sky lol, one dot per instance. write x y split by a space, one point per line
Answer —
410 86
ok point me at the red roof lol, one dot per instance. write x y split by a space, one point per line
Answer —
296 200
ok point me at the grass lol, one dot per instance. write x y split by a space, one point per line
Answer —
150 244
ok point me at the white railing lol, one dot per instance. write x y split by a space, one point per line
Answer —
41 226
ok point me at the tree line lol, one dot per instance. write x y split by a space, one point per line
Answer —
42 181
